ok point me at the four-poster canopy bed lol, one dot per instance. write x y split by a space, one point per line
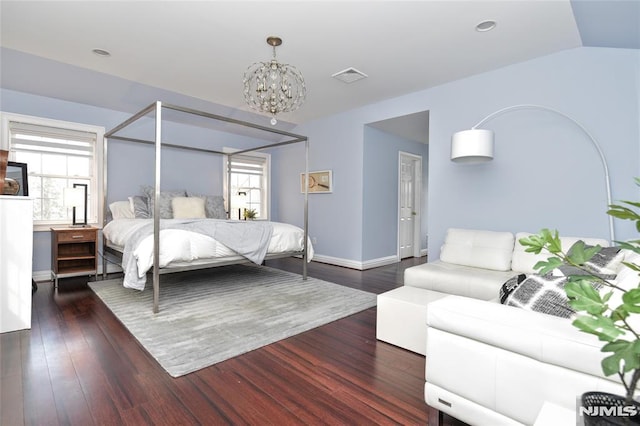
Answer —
304 249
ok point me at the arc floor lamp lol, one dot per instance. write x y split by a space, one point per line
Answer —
476 145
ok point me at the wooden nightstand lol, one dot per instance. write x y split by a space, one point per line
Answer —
74 252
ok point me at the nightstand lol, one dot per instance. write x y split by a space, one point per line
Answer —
74 252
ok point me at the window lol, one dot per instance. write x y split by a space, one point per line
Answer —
249 184
58 154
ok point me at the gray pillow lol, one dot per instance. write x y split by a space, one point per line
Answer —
140 207
166 211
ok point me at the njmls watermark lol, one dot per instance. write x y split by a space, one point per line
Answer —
608 411
592 406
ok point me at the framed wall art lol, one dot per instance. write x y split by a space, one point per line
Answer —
319 182
16 182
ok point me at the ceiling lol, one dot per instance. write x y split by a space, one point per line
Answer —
196 51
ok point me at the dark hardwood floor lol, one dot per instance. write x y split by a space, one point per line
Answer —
79 366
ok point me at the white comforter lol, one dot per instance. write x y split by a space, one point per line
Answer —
179 247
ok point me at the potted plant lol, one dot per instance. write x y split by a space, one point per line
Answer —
250 214
598 314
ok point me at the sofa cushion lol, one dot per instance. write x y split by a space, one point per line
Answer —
524 262
456 279
542 337
480 249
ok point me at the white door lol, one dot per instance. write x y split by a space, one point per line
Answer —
409 205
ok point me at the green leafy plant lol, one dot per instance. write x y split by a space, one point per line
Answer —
250 214
598 314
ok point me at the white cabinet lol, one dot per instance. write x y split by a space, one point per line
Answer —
16 251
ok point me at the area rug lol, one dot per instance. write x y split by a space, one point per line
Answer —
211 315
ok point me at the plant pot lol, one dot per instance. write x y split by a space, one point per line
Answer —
605 409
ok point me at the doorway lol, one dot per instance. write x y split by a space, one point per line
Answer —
409 204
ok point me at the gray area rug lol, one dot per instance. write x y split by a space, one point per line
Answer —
211 315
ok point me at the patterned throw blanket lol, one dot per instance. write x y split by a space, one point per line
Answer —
248 238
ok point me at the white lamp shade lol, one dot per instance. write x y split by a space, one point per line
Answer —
472 146
73 197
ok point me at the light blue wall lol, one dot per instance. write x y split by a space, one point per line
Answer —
545 174
334 219
380 191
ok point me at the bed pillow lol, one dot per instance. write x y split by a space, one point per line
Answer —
188 208
140 207
214 205
121 210
166 211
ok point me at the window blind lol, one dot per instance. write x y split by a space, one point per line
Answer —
51 140
247 164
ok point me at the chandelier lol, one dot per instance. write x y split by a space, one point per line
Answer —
272 87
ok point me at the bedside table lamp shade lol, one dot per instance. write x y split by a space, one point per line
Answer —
76 197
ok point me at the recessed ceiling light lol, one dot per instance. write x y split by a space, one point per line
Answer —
486 26
101 52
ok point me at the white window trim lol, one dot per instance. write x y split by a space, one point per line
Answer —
97 183
225 181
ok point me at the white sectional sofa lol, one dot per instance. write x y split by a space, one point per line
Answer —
472 263
487 363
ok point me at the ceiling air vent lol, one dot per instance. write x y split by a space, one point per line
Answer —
349 75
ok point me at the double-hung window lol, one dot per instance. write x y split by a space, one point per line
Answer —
58 154
249 174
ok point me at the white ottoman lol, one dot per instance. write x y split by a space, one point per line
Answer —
402 317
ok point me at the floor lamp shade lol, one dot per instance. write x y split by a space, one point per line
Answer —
472 146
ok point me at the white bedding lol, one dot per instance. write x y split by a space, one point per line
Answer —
179 246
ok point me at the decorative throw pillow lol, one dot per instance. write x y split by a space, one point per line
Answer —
542 294
604 264
166 211
214 205
510 285
140 207
121 210
188 208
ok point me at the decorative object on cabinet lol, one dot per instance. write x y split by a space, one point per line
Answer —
74 252
16 181
76 197
319 182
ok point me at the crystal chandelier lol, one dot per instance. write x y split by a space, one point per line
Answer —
272 87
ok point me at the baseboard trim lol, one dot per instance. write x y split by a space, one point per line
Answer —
354 264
